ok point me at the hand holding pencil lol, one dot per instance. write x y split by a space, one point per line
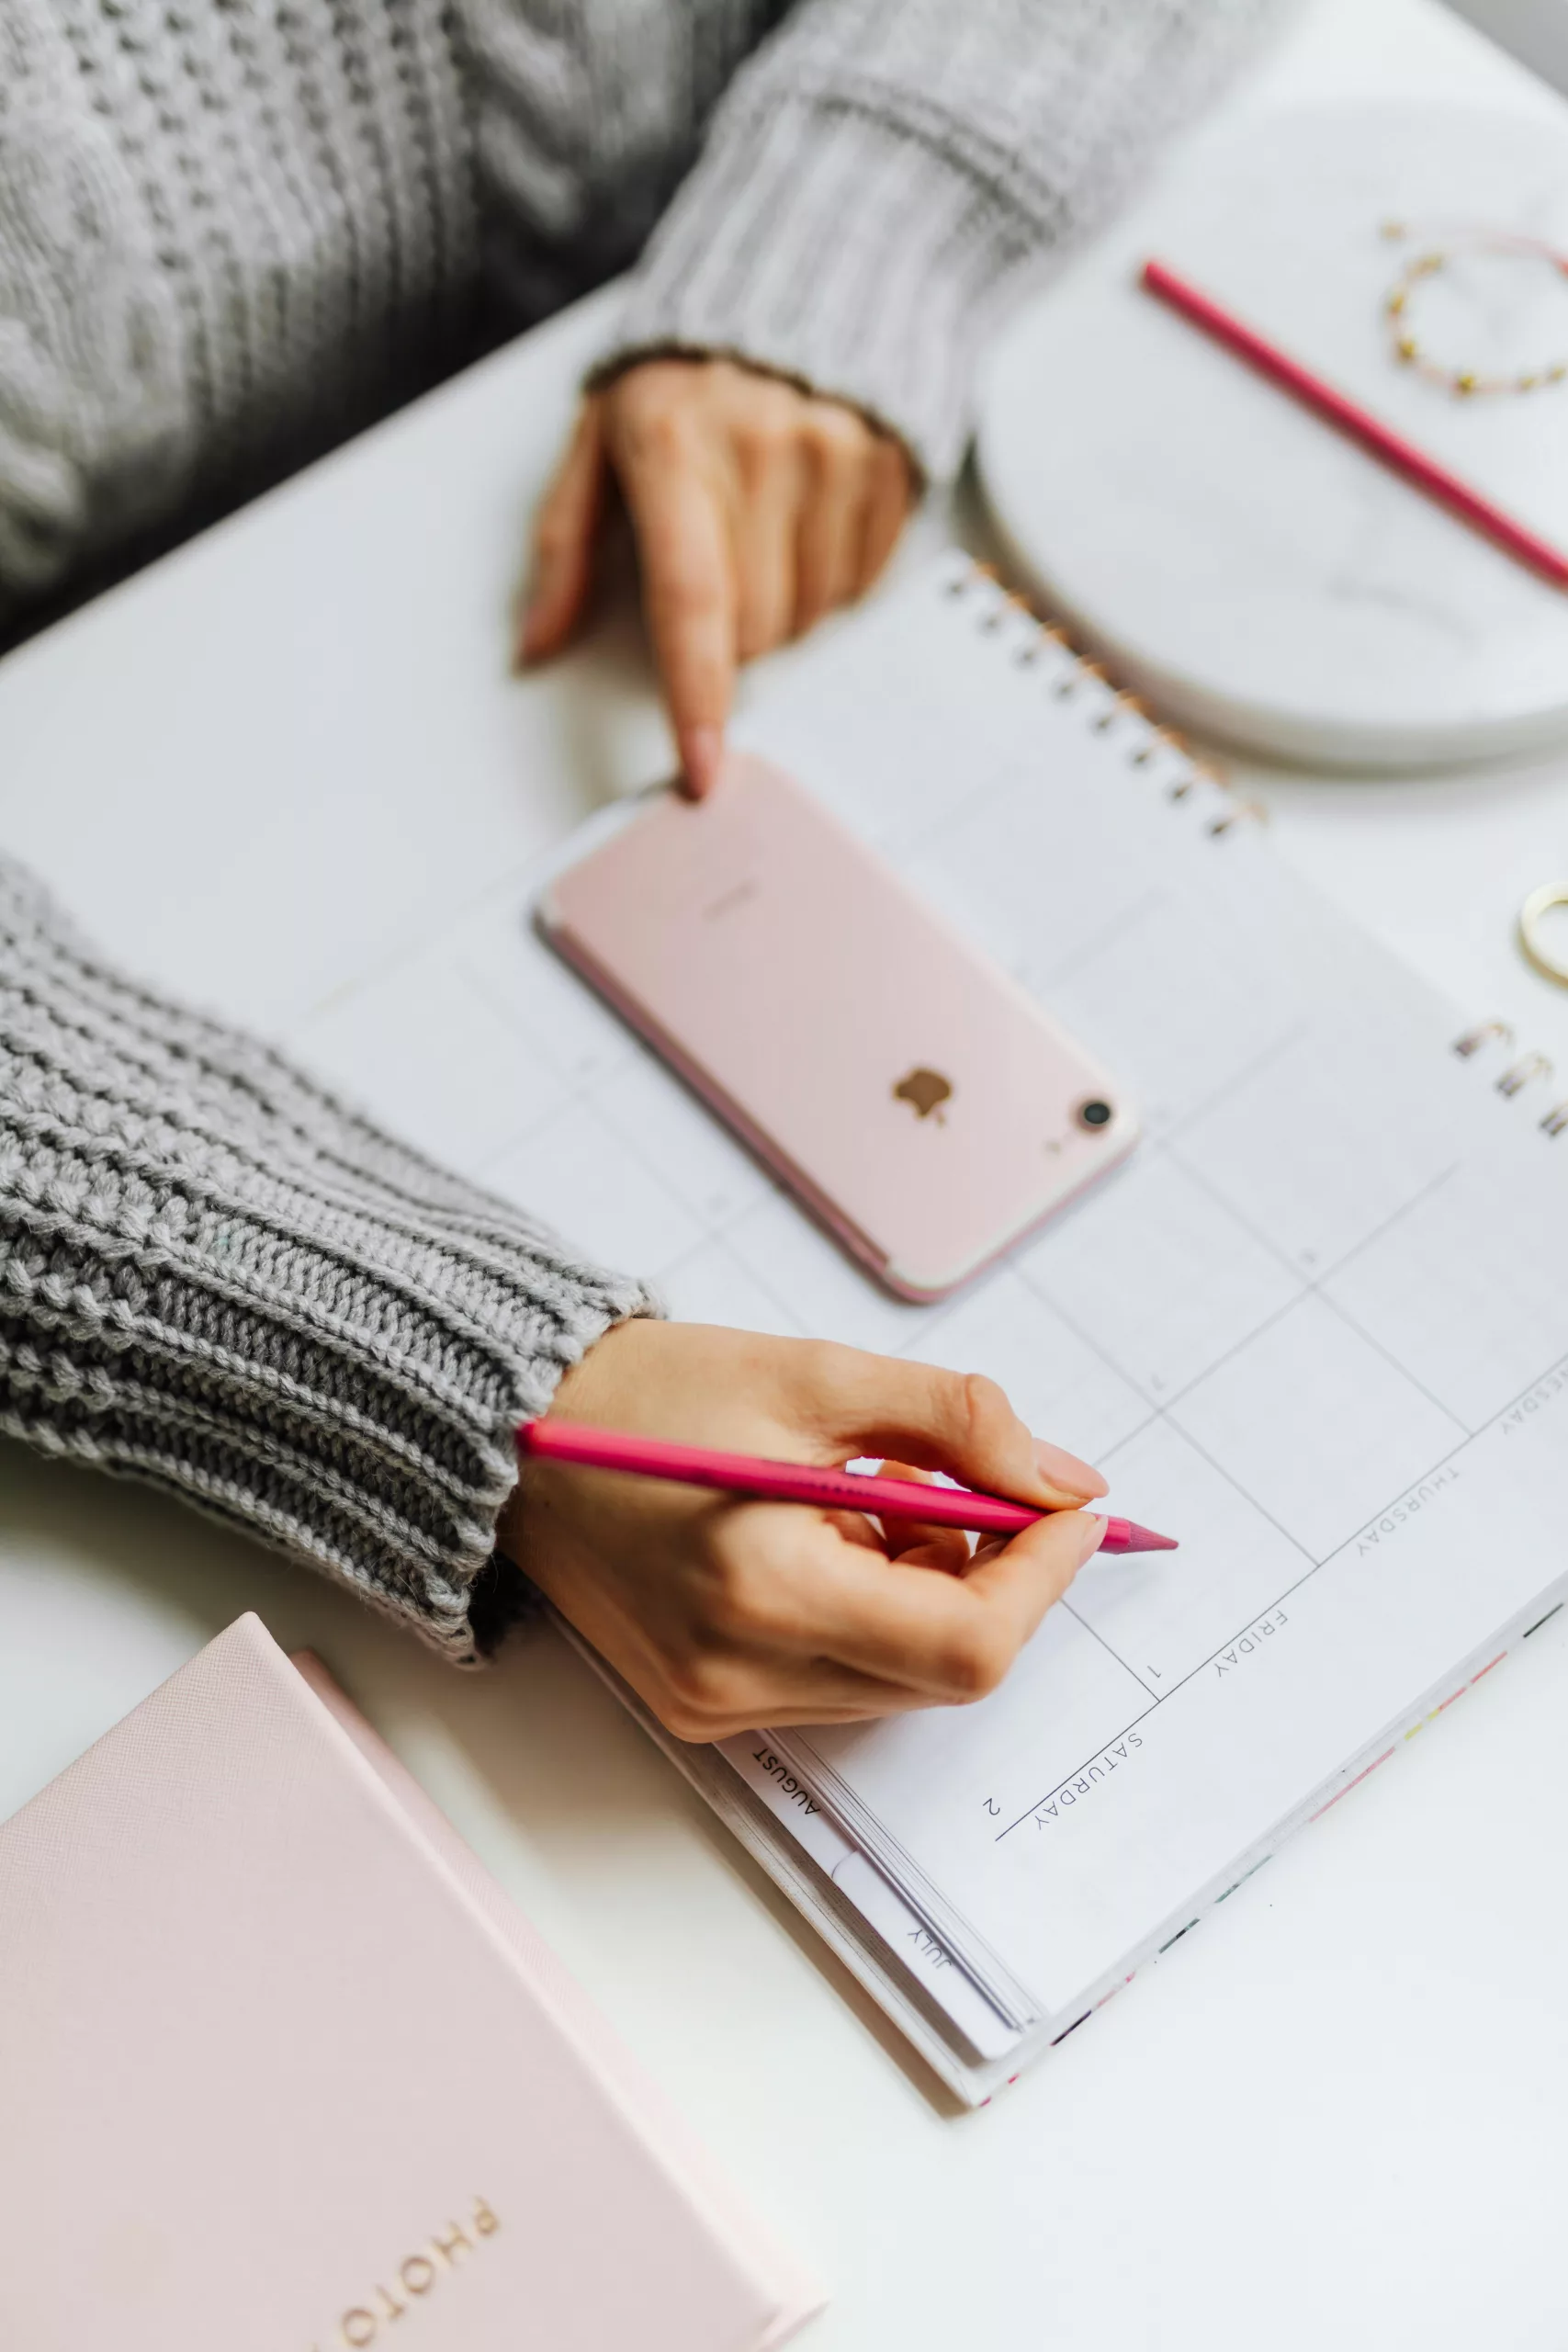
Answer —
763 1480
725 1612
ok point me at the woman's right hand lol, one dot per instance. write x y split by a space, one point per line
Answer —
725 1614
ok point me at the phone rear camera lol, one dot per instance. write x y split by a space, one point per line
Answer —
1095 1114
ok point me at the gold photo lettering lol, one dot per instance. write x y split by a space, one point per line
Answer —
417 2274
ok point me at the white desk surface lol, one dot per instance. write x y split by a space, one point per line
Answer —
1335 2114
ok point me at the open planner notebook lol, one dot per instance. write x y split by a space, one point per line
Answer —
1317 1326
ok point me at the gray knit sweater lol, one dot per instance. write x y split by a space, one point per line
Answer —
229 228
216 1278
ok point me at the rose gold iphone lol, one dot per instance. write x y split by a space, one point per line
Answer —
918 1101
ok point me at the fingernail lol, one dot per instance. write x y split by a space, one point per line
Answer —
1094 1535
702 757
1066 1472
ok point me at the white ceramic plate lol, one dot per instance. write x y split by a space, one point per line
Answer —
1261 578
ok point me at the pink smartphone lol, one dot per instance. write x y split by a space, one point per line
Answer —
916 1099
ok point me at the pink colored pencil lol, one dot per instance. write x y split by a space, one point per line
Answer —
799 1482
1334 406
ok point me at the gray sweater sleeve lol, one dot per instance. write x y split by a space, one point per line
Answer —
217 1279
884 175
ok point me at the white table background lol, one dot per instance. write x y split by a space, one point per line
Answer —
1333 2113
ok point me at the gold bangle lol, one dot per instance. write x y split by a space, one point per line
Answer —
1532 914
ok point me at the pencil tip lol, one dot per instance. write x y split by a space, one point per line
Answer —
1144 1539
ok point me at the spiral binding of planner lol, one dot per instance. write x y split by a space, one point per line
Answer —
1531 1068
1046 631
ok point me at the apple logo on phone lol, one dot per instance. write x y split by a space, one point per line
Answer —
926 1090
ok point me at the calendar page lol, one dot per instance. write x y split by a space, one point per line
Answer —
1317 1326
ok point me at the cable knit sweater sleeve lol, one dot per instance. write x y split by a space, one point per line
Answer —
215 1278
883 174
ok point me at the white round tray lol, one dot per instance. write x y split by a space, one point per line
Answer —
1262 579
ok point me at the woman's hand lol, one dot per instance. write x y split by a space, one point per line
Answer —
757 508
727 1614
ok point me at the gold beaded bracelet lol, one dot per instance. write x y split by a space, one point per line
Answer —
1465 383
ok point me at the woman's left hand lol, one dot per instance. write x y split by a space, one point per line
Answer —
757 508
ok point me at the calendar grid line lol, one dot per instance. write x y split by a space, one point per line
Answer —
1308 1286
1235 1483
1109 935
1107 1647
966 808
1165 1406
1314 1569
1085 1339
1493 1422
1379 1232
1165 1409
1266 1055
1068 1778
1371 1340
1166 1146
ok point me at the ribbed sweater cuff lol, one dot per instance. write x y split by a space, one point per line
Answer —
841 250
215 1278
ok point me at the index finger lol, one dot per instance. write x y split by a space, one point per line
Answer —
689 598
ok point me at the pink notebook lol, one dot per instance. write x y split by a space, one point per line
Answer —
282 2068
